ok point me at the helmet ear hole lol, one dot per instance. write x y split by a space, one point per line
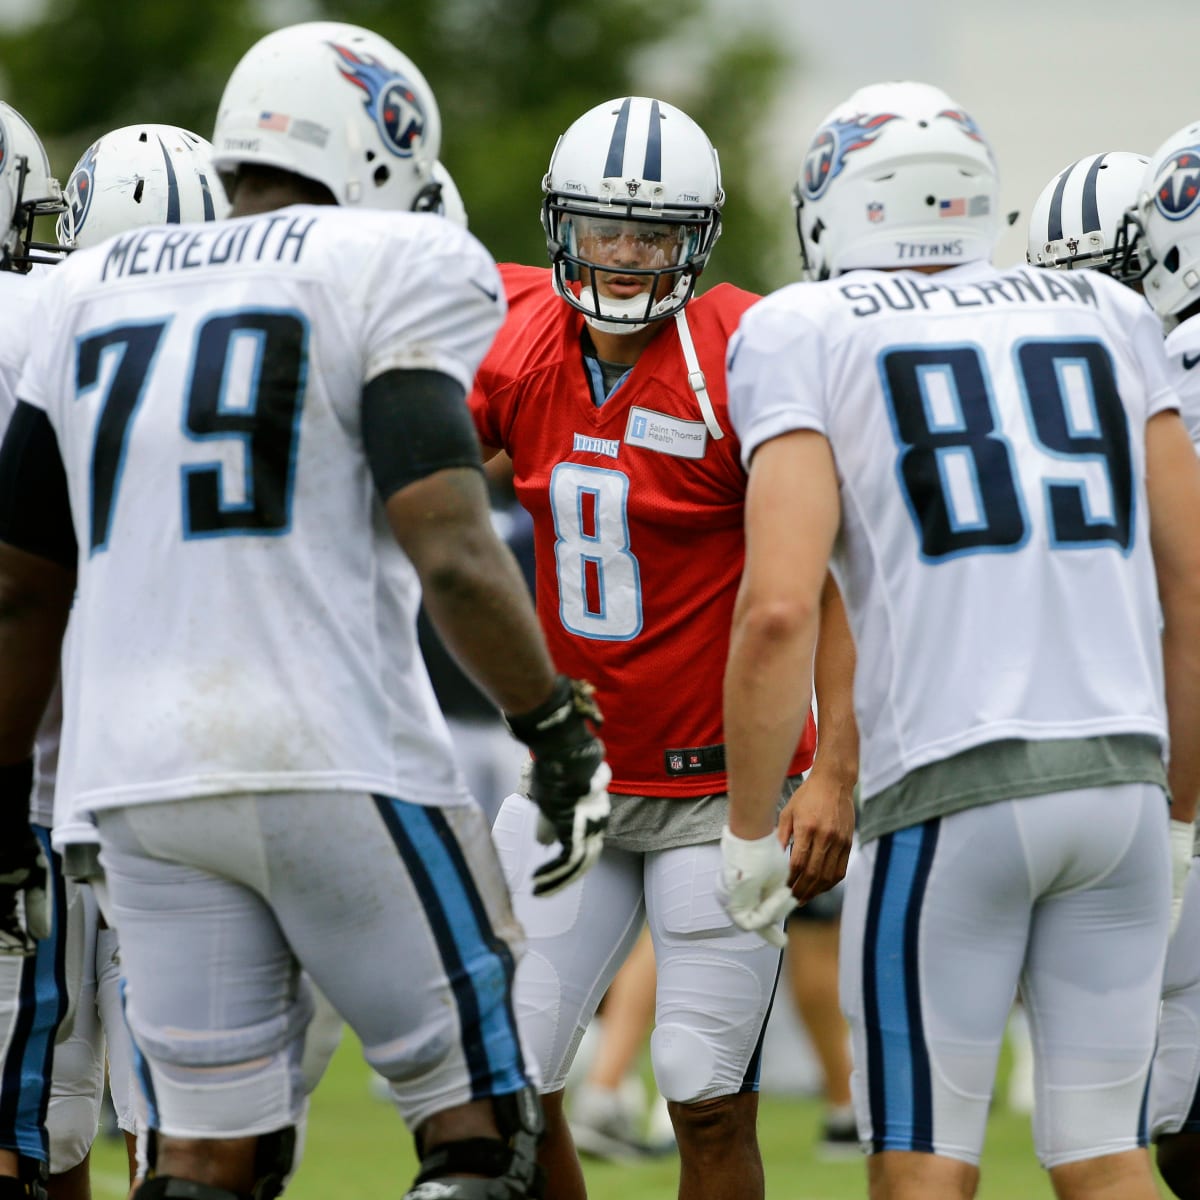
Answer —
381 175
1170 260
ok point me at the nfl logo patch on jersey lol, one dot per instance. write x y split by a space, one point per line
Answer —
675 761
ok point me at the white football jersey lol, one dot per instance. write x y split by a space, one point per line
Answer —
244 619
989 433
1183 351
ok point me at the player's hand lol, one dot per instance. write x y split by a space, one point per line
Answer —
1183 836
568 781
753 885
24 895
818 822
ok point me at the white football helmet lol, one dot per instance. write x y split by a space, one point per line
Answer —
27 191
1163 227
636 170
140 175
896 176
449 201
1079 212
337 104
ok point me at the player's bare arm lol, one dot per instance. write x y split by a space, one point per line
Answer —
35 598
444 526
767 677
818 820
1173 487
37 576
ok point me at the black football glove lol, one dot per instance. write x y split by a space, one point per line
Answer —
568 780
24 871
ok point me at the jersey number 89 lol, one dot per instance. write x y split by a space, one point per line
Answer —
957 470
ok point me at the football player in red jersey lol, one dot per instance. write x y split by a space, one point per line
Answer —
606 387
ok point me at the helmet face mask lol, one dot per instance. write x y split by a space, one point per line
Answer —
27 190
338 105
897 176
1077 221
1163 227
140 175
631 212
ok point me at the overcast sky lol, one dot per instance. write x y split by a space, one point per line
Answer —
1047 80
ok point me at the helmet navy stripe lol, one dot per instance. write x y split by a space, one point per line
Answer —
616 148
210 213
1091 210
172 187
1055 230
653 167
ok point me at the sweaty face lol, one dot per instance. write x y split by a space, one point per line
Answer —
633 246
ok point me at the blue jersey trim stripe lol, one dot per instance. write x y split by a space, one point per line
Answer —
480 977
876 1096
922 1080
653 167
495 944
172 186
615 165
900 1086
141 1066
42 1004
754 1067
1091 208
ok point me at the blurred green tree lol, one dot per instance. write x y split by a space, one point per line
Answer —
510 75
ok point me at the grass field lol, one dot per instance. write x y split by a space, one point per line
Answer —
358 1148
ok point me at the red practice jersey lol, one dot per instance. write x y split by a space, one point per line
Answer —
637 514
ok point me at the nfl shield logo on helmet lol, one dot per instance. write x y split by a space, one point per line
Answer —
875 212
1177 188
390 100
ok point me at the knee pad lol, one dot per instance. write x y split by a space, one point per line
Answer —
509 1162
684 1064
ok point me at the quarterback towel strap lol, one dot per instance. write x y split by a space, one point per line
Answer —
696 376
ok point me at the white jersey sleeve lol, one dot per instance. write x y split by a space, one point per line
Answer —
443 315
18 296
994 552
244 619
790 393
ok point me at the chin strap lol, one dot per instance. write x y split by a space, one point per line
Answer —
696 376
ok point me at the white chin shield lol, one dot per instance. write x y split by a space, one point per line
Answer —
633 307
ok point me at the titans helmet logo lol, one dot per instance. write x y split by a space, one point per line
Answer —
80 187
965 123
1177 187
390 100
827 155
